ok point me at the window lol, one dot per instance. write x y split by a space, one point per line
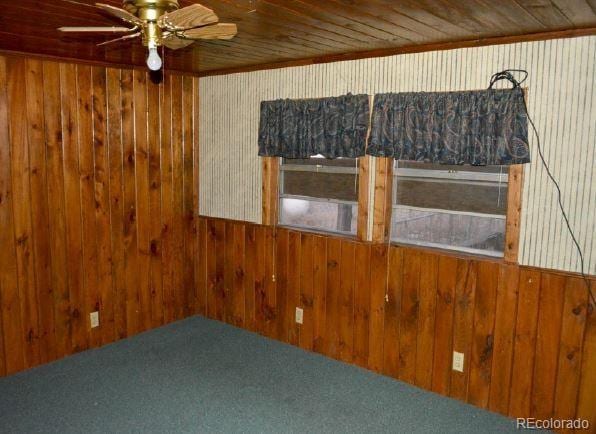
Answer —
320 194
452 207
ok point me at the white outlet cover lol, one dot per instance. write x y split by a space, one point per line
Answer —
299 315
458 361
94 319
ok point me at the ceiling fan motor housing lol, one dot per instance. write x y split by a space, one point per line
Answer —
134 6
149 11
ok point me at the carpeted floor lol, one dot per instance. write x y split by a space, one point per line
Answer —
199 375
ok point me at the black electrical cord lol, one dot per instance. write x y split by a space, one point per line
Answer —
507 75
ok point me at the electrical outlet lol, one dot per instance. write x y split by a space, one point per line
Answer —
299 315
458 361
94 319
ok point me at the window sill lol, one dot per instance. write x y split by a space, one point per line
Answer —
450 252
314 231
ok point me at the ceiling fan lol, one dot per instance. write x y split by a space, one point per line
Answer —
160 22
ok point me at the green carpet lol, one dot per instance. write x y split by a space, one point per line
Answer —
199 375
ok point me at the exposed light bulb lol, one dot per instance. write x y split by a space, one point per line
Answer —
153 60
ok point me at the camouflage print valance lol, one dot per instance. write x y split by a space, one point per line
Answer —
333 127
482 127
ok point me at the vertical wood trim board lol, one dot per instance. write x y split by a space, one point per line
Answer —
513 218
270 189
383 190
363 195
561 99
96 206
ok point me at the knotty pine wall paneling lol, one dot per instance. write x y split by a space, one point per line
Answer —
97 194
526 333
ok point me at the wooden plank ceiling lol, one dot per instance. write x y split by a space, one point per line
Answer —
276 31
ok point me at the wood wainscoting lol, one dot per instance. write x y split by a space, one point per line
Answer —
96 206
528 340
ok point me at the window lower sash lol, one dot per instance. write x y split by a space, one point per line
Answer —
474 233
329 216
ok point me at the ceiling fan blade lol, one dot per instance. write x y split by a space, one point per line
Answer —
111 29
217 31
74 2
123 38
121 13
187 18
175 43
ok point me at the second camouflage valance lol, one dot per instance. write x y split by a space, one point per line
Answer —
473 127
333 127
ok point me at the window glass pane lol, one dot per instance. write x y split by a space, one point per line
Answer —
487 198
453 207
325 216
340 186
448 230
319 194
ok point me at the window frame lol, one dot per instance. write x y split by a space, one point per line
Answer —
454 176
318 168
373 224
